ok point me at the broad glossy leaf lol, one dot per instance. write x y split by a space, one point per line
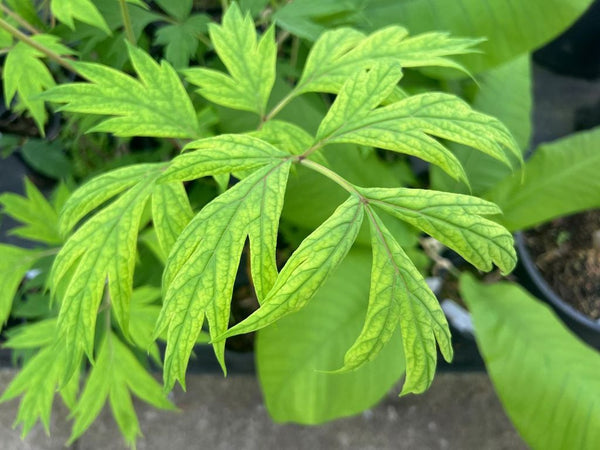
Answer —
407 126
39 218
156 104
198 279
561 178
14 264
249 61
340 53
307 269
116 374
101 252
181 39
84 10
24 74
511 28
293 354
171 212
453 219
400 296
504 92
99 190
221 155
546 378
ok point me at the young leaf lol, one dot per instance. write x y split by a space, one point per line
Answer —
84 10
101 252
454 220
198 279
24 74
221 155
400 296
181 39
546 378
144 311
340 53
116 373
292 354
99 190
561 178
407 126
307 269
171 212
39 218
37 382
155 105
250 63
14 264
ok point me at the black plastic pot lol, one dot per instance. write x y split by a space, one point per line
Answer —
577 51
531 278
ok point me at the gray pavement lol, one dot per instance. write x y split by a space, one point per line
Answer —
460 411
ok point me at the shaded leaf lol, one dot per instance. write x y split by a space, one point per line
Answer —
84 10
181 39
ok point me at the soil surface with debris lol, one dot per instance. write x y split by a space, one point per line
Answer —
567 253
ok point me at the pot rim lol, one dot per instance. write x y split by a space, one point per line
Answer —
546 289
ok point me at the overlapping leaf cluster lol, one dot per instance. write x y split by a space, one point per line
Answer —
93 271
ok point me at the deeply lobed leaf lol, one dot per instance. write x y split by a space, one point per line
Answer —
339 54
400 296
249 61
307 269
454 220
156 104
198 279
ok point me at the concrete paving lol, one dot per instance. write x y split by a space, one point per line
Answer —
460 411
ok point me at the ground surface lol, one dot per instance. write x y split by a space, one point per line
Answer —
460 411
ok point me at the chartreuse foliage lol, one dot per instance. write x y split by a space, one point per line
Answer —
100 315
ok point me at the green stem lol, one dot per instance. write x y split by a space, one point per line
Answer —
19 19
127 21
27 40
279 106
332 176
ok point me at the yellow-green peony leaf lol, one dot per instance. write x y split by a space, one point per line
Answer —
454 220
14 264
99 190
407 126
338 54
38 216
400 296
156 104
307 269
221 155
116 374
25 75
171 212
84 10
250 62
198 279
100 255
37 382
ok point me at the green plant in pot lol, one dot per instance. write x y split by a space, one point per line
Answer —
278 165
